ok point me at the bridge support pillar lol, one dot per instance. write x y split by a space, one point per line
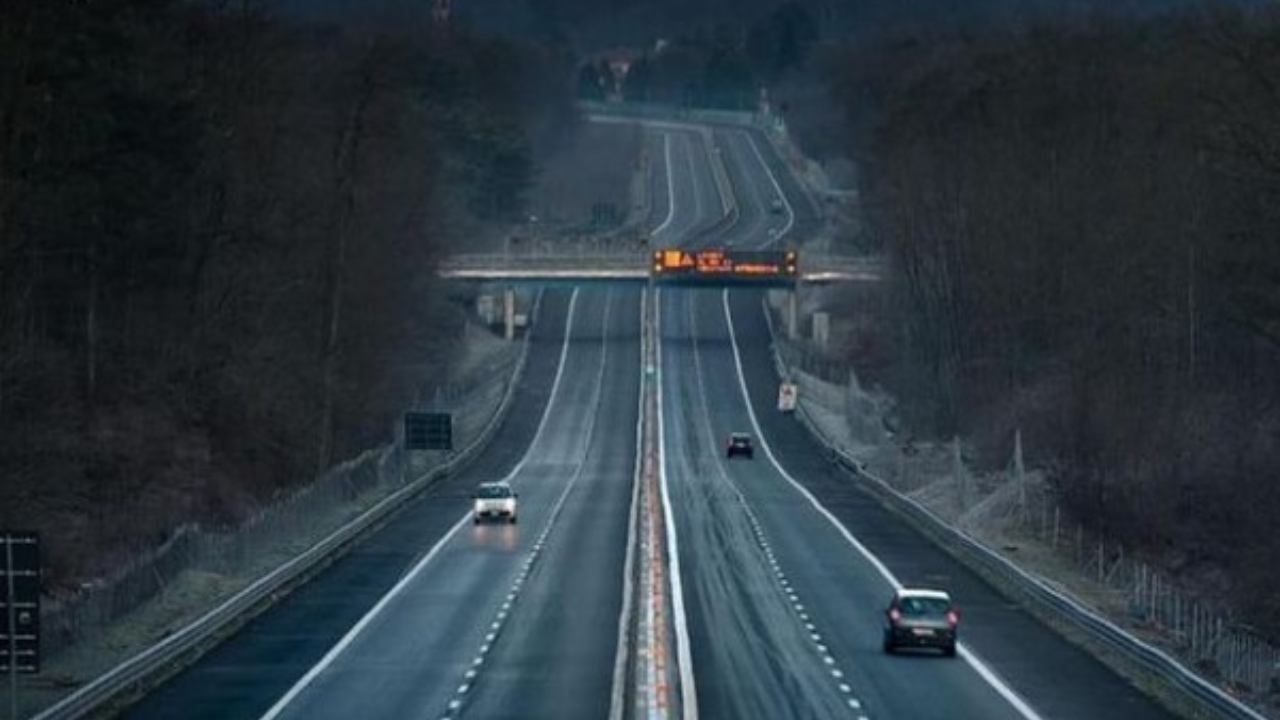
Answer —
793 314
509 313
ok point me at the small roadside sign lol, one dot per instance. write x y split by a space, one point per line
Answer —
19 602
787 397
428 431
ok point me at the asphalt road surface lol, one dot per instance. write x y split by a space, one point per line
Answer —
786 565
572 466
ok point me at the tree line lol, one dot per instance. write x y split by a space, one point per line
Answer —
217 235
713 66
1083 226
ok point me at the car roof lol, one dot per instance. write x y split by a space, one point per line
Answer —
496 484
740 436
923 593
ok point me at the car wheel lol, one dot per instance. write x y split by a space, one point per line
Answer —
949 650
475 520
888 645
513 519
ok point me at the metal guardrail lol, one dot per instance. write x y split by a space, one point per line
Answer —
659 112
1195 689
131 675
586 261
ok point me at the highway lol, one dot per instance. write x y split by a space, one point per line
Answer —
785 566
788 566
396 626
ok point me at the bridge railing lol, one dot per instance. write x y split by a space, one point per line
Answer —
813 268
585 259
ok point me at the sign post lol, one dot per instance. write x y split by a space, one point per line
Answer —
12 625
424 431
20 646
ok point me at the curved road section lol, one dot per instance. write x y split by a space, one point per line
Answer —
784 564
433 616
787 565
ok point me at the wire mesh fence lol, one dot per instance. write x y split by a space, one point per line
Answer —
1208 635
1016 508
235 555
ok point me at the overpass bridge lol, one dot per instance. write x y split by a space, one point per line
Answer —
646 267
710 267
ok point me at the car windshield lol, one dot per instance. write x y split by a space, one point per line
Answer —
923 606
491 492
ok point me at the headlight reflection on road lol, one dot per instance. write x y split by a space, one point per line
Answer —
496 535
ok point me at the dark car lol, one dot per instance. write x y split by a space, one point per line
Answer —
739 444
921 619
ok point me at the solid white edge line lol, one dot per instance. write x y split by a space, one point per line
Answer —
720 464
981 668
399 587
671 187
716 161
617 701
791 215
693 178
554 516
688 691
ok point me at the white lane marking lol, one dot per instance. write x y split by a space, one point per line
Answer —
688 693
786 204
399 587
693 178
723 474
981 668
719 171
671 187
617 701
596 398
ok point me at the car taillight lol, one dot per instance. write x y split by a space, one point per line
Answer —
953 618
895 615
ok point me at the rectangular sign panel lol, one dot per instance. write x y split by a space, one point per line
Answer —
787 397
715 265
19 602
428 431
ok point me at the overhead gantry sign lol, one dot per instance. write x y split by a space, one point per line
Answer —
704 266
725 266
669 266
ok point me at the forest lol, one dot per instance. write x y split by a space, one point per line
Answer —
1083 226
217 235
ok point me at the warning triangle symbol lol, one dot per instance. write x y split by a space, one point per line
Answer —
686 260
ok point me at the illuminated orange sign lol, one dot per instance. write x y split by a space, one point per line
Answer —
762 264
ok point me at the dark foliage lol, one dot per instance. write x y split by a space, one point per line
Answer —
217 234
1082 223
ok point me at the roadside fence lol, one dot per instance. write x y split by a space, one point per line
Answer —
1016 509
237 554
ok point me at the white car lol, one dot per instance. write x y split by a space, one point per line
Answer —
495 500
